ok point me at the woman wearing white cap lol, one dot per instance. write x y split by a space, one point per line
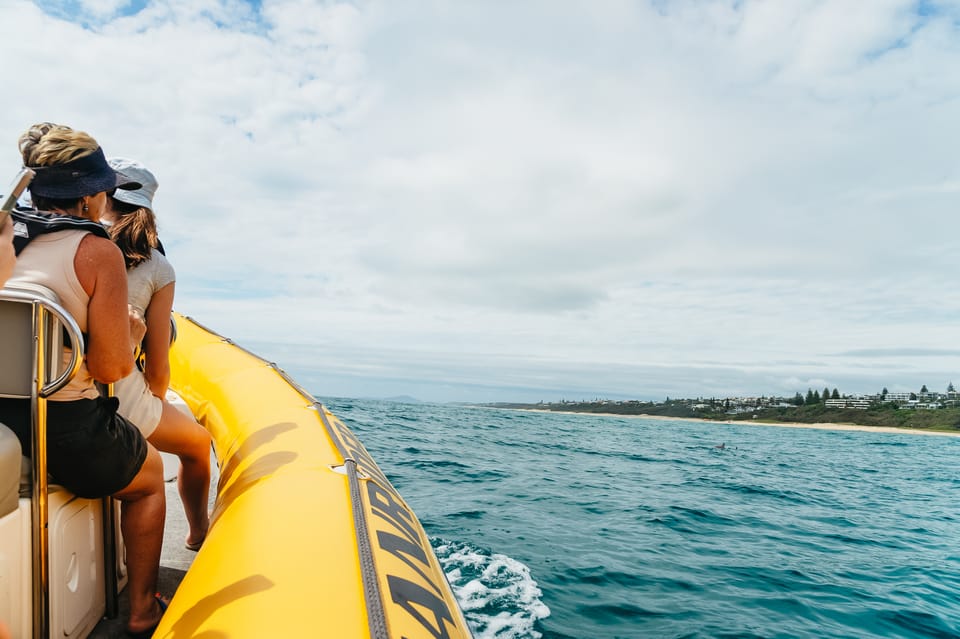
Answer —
151 280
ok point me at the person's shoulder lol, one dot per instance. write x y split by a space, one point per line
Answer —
160 260
97 248
98 260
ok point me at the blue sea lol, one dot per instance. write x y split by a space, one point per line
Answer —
560 526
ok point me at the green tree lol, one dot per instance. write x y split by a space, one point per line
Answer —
798 399
913 396
809 399
835 395
826 394
950 388
884 392
924 389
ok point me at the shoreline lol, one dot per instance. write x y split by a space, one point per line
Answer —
743 422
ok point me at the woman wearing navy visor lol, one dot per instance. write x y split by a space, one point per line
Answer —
92 451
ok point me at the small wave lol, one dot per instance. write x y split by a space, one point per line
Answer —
497 594
645 458
439 463
454 471
852 541
916 623
691 520
617 613
401 417
598 575
468 514
762 491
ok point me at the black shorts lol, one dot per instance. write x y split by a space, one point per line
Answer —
91 451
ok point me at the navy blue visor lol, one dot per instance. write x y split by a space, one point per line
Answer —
87 175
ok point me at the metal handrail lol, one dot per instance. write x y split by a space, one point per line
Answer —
38 455
42 307
111 596
77 349
36 296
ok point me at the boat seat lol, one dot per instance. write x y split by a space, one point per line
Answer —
18 342
25 487
10 464
18 349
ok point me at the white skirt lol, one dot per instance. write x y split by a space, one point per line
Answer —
141 407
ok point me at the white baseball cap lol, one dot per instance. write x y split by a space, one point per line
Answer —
135 172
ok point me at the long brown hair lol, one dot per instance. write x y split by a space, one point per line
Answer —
134 230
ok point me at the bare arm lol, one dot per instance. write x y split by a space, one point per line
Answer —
100 269
157 368
7 257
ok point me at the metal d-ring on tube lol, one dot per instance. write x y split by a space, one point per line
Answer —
41 540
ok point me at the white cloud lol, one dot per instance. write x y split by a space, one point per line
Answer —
510 191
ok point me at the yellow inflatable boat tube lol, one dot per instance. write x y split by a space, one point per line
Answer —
308 538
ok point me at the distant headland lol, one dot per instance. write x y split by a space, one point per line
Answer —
923 410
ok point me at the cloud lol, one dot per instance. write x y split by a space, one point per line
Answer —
743 188
903 352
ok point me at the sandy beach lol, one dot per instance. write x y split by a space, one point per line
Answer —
755 422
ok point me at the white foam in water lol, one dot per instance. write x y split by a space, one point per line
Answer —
498 596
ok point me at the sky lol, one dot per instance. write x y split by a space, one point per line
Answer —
535 200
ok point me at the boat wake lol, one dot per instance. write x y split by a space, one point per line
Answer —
499 598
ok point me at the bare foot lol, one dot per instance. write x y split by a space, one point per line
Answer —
145 628
194 545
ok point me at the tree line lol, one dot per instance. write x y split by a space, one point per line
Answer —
814 397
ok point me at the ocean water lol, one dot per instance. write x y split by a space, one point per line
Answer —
580 526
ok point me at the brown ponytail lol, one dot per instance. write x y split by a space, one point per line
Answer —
134 230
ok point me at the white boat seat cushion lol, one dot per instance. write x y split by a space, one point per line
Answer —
10 466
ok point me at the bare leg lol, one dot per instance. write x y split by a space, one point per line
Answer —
143 509
178 434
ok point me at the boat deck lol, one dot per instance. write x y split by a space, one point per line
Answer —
175 559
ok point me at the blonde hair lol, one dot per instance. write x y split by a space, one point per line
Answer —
49 144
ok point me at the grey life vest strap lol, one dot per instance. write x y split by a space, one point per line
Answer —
29 224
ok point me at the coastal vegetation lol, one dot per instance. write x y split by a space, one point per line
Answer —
938 412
